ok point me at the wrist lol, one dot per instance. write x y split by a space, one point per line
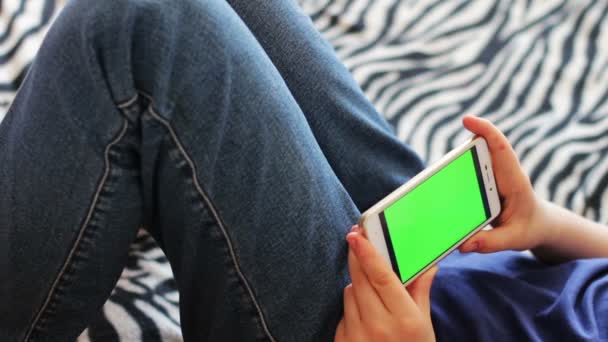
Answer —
543 222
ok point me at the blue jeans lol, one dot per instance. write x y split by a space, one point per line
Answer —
232 133
229 130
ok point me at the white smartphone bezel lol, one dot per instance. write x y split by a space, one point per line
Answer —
370 219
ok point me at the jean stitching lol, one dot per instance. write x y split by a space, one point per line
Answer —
62 272
125 104
213 211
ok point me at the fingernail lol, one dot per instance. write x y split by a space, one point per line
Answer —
352 242
355 229
471 247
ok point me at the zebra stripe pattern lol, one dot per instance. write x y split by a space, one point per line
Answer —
144 305
23 25
535 68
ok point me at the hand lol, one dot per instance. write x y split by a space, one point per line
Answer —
377 307
518 227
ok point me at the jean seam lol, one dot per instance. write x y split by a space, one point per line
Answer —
51 297
214 213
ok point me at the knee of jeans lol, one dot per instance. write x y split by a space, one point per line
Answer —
159 47
91 38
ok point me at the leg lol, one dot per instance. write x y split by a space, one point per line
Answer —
359 145
167 113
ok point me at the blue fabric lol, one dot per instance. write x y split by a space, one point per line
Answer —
510 296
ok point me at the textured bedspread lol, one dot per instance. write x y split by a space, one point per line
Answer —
538 69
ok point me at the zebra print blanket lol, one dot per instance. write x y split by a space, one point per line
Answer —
537 68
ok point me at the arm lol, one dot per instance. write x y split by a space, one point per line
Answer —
571 236
554 234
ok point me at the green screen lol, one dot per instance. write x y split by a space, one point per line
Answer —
435 215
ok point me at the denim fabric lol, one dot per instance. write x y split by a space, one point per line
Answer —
238 140
233 134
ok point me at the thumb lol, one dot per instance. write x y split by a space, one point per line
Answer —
420 290
489 241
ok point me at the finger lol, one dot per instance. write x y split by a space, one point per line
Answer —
489 241
497 141
340 332
352 317
369 303
504 159
382 278
420 290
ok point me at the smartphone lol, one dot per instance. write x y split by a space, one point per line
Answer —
428 217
